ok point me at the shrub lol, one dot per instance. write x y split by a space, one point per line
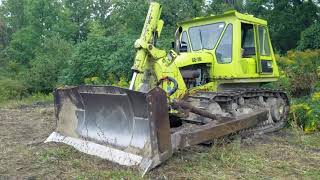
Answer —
299 76
282 83
123 82
93 81
316 97
306 113
11 89
108 59
301 69
111 80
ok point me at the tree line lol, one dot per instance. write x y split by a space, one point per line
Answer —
45 44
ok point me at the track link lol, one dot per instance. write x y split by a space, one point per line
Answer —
232 102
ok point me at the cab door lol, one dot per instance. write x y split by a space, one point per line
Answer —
265 63
249 58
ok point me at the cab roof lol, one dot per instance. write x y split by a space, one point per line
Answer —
227 14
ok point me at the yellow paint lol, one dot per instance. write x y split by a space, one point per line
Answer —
239 70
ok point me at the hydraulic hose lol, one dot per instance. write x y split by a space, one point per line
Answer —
170 79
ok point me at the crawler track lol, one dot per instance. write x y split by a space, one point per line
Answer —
243 101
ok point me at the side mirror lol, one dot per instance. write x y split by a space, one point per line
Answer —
183 47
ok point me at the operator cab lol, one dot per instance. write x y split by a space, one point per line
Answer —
238 43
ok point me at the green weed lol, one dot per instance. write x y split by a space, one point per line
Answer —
114 174
60 153
37 98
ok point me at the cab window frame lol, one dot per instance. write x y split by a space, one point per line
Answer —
248 51
184 32
267 37
220 40
217 40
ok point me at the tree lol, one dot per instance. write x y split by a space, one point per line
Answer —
174 12
287 19
127 17
102 10
14 13
44 19
4 34
48 65
310 38
22 46
106 58
219 6
12 18
80 14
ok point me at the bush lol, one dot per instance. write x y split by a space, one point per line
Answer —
93 81
122 82
306 113
282 83
112 80
11 89
299 75
301 69
101 60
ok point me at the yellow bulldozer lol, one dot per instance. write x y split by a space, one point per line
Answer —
208 86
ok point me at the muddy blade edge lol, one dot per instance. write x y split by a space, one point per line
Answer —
127 127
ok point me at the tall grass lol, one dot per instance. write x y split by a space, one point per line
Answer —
38 98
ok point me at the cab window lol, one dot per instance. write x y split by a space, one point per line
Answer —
247 44
184 41
206 36
224 50
264 43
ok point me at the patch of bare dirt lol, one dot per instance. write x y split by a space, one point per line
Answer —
21 130
24 155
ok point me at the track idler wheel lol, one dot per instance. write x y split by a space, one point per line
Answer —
277 108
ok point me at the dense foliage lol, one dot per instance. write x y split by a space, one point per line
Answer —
300 70
45 44
306 113
310 38
301 79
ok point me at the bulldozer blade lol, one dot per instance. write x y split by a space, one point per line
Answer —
124 126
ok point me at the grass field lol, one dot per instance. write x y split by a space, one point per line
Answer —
288 154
